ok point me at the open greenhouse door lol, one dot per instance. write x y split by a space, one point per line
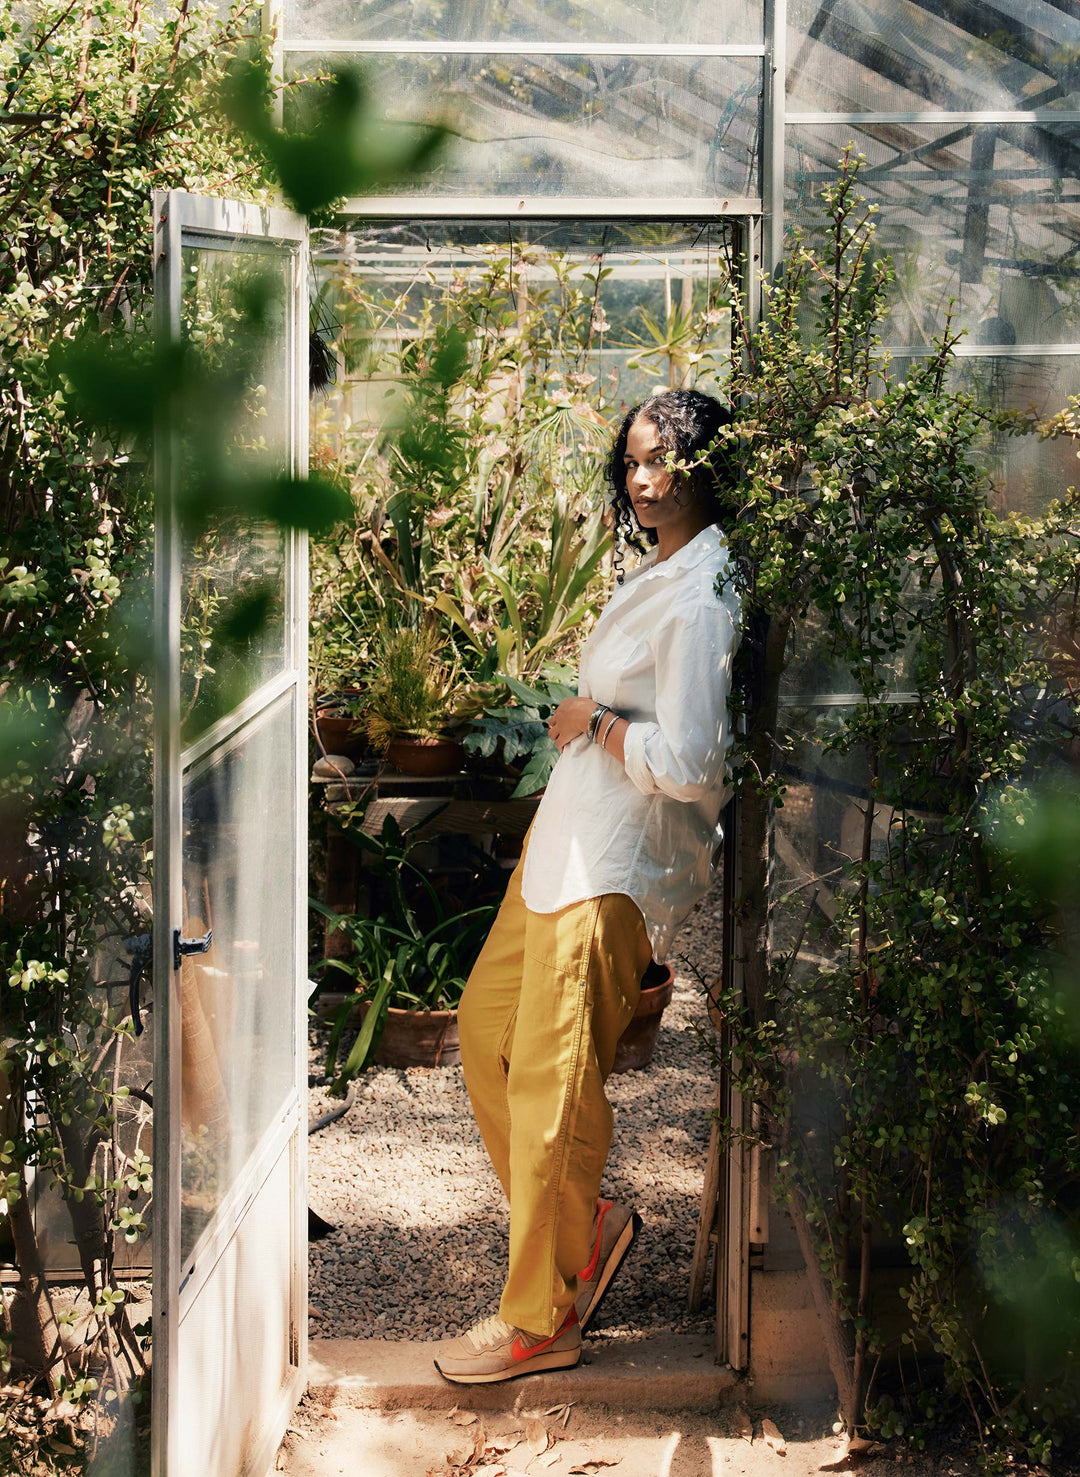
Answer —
230 885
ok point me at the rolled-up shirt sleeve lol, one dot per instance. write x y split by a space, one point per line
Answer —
684 751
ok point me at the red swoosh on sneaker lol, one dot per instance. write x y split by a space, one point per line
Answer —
589 1272
520 1351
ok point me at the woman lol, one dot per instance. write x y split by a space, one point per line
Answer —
619 850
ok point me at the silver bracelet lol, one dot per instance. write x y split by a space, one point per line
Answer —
594 720
611 724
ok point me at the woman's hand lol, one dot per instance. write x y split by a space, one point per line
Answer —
570 719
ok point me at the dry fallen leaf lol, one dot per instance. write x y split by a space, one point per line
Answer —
593 1465
851 1449
537 1435
549 1458
773 1438
464 1417
744 1426
501 1444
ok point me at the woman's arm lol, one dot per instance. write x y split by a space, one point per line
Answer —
683 752
571 719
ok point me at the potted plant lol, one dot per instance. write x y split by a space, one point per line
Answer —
408 984
516 733
638 1042
409 702
410 960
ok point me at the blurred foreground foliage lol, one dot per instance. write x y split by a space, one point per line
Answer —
101 104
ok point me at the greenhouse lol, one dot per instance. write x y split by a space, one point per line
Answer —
318 323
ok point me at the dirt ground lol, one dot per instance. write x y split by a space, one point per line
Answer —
572 1441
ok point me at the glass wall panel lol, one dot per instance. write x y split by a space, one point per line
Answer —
237 999
659 315
869 56
675 21
238 565
1028 473
986 216
817 832
622 128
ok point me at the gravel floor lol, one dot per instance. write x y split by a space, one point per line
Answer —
421 1241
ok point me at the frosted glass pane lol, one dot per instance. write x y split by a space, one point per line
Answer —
681 21
237 999
577 125
894 55
985 215
228 566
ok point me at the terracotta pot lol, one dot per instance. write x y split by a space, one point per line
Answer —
425 756
419 1038
340 735
338 730
638 1042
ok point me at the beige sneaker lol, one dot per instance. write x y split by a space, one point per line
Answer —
614 1231
495 1350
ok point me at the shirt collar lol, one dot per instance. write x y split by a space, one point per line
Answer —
708 543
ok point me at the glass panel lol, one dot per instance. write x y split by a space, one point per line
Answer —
1028 473
576 125
867 56
985 216
674 21
816 831
237 999
235 570
659 316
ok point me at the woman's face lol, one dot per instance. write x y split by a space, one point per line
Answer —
659 502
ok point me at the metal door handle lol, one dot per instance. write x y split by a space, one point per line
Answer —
182 946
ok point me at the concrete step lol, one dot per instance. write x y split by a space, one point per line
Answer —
664 1372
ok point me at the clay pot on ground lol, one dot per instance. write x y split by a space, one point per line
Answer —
638 1042
425 757
419 1038
429 1038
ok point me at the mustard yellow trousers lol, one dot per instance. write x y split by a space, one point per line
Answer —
539 1020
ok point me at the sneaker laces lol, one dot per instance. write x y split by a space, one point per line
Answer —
490 1330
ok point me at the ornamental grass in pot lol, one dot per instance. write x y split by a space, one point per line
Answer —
410 702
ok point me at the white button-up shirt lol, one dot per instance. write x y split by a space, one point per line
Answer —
660 656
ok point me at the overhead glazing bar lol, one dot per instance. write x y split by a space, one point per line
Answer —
340 46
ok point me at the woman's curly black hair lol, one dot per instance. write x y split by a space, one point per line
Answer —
687 422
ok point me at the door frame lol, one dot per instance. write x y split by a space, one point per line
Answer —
180 218
759 239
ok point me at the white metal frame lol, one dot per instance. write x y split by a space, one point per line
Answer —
181 219
329 46
545 207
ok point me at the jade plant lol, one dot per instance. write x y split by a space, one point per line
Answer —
898 1024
